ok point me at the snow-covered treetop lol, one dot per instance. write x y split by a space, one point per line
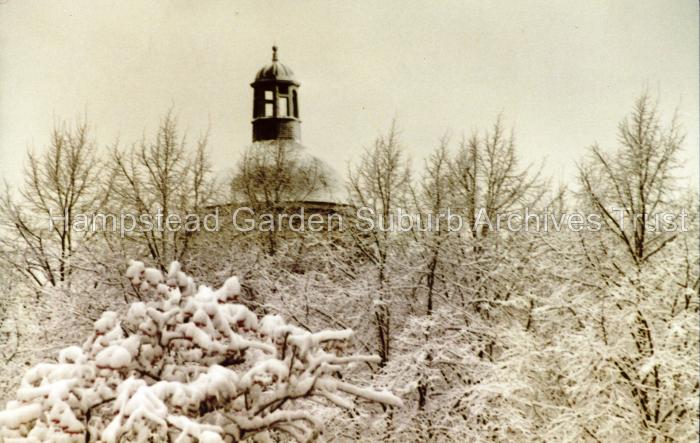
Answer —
191 366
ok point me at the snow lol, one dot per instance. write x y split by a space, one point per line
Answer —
171 364
210 437
306 341
135 272
106 322
153 276
384 397
17 414
264 372
114 357
62 416
230 290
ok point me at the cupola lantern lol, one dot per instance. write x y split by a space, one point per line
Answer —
275 103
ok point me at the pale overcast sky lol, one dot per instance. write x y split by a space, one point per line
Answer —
563 73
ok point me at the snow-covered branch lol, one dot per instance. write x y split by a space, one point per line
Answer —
192 365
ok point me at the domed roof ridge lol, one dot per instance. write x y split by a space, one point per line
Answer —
276 71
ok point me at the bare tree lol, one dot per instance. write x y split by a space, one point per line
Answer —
62 183
159 179
630 187
379 185
487 179
276 175
433 199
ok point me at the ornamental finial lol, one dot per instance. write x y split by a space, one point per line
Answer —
274 53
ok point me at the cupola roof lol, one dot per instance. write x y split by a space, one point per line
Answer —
275 71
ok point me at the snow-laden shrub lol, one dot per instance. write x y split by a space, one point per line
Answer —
191 366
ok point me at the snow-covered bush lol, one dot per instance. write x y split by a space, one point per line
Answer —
191 366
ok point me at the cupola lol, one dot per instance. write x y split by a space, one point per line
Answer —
275 103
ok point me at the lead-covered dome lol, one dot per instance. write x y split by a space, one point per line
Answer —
332 189
275 71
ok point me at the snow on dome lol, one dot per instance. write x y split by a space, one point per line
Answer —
333 190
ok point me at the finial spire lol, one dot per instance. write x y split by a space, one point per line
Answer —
274 53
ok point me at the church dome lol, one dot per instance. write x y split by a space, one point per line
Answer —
275 71
333 189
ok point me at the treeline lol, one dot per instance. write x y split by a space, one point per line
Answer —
485 334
